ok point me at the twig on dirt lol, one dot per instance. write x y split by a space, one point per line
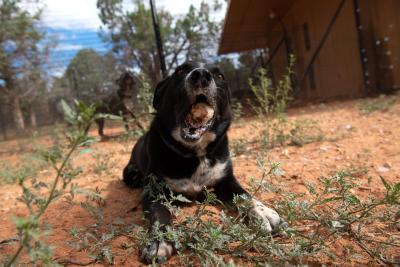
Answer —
9 240
379 242
378 257
133 209
66 262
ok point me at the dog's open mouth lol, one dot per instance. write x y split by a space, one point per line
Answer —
198 120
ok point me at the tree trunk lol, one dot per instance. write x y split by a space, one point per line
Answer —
16 113
3 126
32 116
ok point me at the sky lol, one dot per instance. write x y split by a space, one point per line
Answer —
75 23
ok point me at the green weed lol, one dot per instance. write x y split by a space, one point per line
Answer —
30 228
333 212
270 99
270 106
102 163
382 103
238 147
237 110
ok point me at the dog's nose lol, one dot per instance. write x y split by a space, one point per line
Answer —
200 78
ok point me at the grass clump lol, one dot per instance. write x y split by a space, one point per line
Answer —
382 103
12 174
238 147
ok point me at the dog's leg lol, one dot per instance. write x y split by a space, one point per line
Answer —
157 250
100 125
132 176
228 187
125 120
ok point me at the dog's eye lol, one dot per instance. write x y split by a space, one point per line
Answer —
220 76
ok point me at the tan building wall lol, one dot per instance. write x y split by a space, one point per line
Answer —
352 62
337 69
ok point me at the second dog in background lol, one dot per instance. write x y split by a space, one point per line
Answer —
120 103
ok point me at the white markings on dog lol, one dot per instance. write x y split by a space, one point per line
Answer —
164 249
204 176
270 218
160 250
199 146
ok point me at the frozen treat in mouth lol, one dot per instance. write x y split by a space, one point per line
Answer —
198 120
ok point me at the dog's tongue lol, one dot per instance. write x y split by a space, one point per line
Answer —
200 114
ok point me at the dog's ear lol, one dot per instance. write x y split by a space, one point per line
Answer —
159 92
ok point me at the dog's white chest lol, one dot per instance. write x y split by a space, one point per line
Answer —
204 176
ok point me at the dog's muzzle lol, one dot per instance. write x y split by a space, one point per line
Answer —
202 92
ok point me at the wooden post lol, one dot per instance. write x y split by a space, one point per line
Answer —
158 38
361 46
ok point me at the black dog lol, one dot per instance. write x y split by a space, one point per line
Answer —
187 148
119 103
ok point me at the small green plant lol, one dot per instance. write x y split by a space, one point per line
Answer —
28 166
101 163
30 227
275 133
238 147
97 237
237 109
272 100
335 212
382 103
145 97
305 132
144 110
271 104
10 175
264 183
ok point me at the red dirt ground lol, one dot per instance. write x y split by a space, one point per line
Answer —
357 140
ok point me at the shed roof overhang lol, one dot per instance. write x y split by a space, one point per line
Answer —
248 23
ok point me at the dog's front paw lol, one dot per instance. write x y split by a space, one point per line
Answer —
271 222
158 251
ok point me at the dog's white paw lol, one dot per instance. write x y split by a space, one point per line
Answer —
270 218
160 251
